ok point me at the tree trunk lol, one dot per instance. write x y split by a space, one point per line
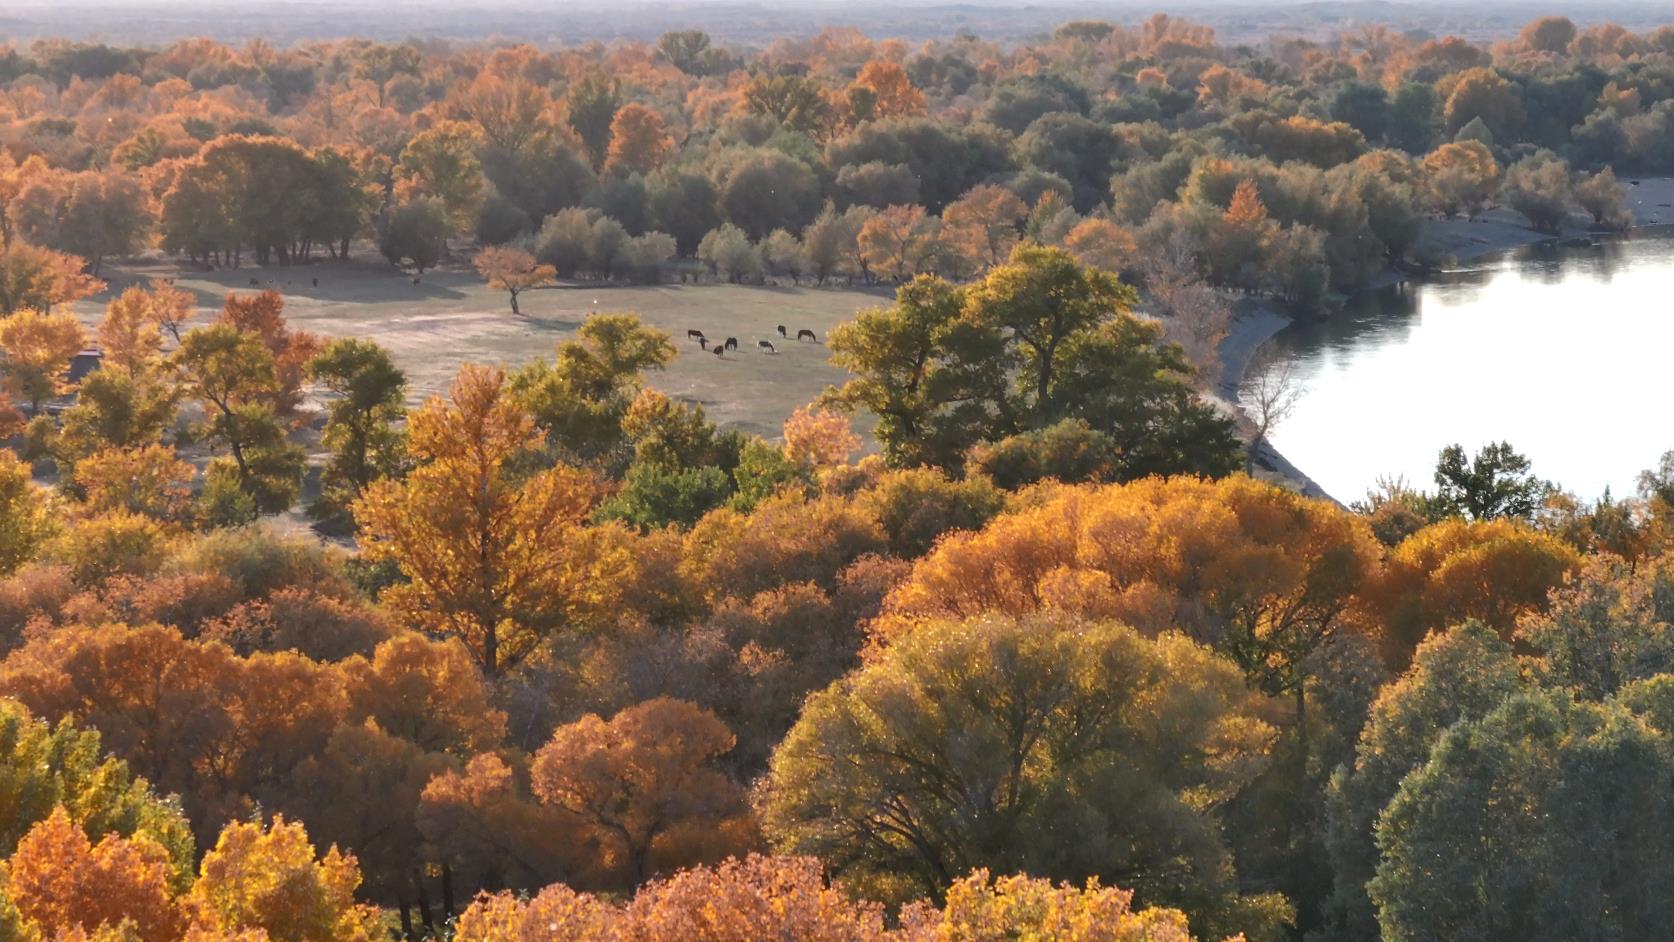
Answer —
447 891
1302 744
423 902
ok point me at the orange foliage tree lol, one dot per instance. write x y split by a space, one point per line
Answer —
1494 571
644 788
984 224
481 822
819 438
781 897
513 271
1102 244
897 242
638 140
883 90
61 881
130 335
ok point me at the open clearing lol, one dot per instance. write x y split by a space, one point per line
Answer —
450 317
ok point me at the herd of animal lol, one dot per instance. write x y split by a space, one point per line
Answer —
731 343
273 284
719 348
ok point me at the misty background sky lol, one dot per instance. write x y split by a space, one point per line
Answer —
156 22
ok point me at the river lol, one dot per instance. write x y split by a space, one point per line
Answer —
1567 352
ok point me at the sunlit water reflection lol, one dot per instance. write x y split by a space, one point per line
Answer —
1564 352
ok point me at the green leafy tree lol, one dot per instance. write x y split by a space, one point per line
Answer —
442 162
43 767
902 373
416 231
580 399
1496 483
1538 186
1039 340
689 50
233 374
361 422
769 190
1461 674
654 496
115 409
794 101
985 743
1547 819
762 472
590 105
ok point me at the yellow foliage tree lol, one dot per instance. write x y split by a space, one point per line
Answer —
150 480
1021 907
269 879
750 899
131 335
496 559
38 350
1461 176
25 519
819 438
556 913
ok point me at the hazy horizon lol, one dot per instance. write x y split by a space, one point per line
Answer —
150 22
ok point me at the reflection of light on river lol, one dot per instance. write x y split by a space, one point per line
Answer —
1565 353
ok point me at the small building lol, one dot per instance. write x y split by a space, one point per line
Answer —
84 363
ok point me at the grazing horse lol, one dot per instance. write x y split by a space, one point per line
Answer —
767 346
732 343
719 350
782 331
703 342
694 335
806 334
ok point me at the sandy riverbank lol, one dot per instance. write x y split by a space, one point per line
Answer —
1651 199
1255 324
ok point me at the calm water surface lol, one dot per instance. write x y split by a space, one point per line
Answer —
1567 353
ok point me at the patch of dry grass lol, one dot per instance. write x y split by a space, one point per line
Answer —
450 317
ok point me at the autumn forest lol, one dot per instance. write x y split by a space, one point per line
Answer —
1019 630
